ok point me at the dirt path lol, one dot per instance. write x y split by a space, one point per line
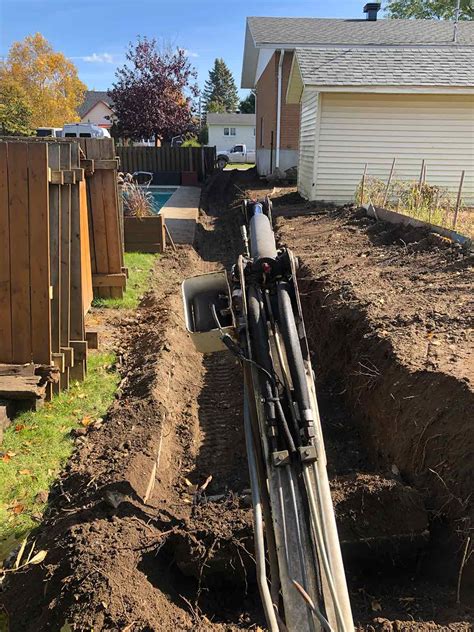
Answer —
134 542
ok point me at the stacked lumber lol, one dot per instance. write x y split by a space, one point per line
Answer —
45 265
105 217
23 387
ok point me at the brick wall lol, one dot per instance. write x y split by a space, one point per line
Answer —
267 87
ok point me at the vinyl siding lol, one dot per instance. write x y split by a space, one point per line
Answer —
375 128
308 132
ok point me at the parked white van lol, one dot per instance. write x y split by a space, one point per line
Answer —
84 130
44 132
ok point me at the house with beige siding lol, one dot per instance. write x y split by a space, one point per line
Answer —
366 92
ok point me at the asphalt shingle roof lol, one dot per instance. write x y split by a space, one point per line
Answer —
389 66
92 97
230 118
322 31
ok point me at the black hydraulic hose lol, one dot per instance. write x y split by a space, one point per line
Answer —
259 338
293 351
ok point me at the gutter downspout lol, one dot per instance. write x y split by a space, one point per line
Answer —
278 124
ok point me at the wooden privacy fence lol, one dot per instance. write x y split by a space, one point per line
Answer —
105 217
45 267
170 159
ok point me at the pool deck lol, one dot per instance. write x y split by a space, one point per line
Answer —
181 213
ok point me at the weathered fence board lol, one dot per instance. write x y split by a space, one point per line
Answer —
104 213
166 158
45 266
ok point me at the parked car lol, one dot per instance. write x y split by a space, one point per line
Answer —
84 130
237 154
43 132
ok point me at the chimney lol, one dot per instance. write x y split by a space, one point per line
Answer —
372 8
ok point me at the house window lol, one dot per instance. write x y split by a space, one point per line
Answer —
226 131
261 131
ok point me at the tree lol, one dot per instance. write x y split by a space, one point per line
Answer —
247 105
221 88
215 106
50 82
15 113
430 9
153 93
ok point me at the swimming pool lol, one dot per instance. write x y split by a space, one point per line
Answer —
160 195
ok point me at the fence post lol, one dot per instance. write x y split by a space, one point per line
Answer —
388 183
362 185
458 201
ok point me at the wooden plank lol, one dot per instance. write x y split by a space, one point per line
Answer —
19 251
55 249
21 387
69 176
109 280
87 165
68 356
56 176
92 338
58 361
39 252
80 349
17 369
76 274
65 192
106 163
6 350
86 258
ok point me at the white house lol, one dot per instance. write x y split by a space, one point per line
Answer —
335 94
96 109
229 129
368 105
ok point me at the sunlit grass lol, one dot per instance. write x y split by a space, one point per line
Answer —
139 266
37 445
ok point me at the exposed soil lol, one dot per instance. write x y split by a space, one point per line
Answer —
141 538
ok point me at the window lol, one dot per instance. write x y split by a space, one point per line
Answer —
85 135
238 148
226 131
261 131
230 131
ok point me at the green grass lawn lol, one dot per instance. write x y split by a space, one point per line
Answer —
139 266
37 445
241 166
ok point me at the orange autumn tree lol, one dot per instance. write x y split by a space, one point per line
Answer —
50 81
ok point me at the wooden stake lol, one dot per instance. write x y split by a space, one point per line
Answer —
362 186
389 181
173 245
458 201
420 181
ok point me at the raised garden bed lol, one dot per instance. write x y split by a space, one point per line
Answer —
144 234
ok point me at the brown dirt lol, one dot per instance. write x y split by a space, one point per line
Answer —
131 549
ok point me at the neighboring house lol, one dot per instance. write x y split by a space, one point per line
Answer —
369 91
97 109
229 129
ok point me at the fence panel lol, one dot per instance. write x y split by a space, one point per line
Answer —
166 158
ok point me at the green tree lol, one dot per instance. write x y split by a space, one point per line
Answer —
247 105
15 113
429 9
220 88
215 106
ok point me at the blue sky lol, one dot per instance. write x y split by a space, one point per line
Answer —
95 33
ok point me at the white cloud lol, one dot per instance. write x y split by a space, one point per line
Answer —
190 53
99 58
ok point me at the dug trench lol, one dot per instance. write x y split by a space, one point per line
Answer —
149 527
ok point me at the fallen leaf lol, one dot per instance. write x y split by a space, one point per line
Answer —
206 482
11 454
41 497
81 395
19 427
63 429
25 472
376 606
20 554
6 458
39 557
18 508
86 421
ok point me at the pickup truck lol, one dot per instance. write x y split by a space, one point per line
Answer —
237 154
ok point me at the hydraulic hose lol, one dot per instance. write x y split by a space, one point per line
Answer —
258 522
293 352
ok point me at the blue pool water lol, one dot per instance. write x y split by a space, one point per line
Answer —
160 195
